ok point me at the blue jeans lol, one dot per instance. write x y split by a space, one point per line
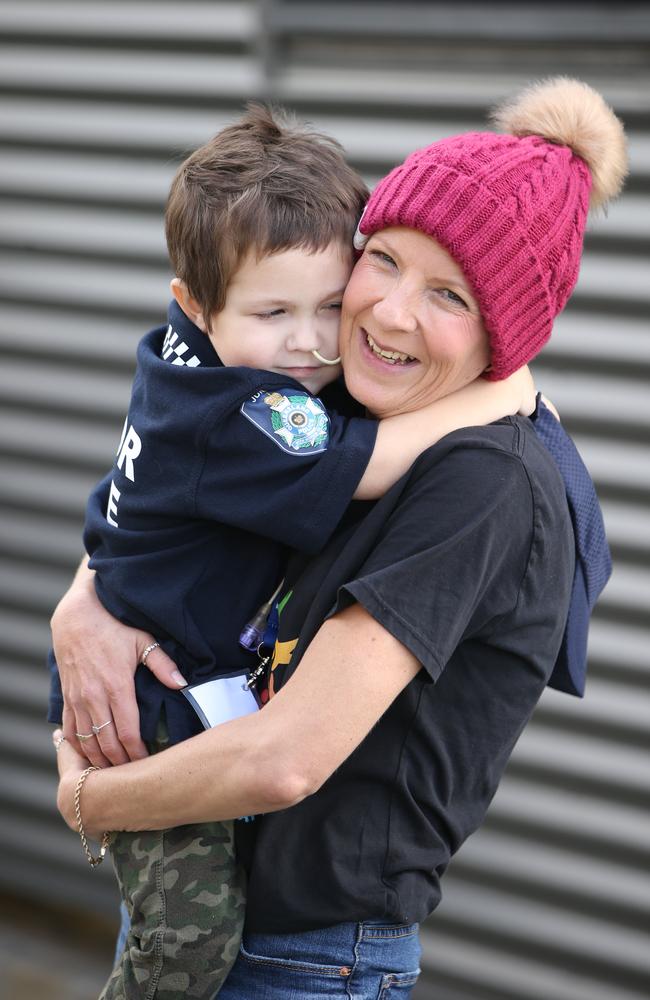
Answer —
366 961
122 934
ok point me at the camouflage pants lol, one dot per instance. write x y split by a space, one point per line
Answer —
186 897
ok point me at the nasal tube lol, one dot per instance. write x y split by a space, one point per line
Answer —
325 361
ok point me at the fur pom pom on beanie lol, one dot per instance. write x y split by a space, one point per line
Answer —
511 207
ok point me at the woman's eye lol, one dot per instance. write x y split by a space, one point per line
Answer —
335 306
452 297
385 258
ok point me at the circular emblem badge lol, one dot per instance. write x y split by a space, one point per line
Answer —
299 420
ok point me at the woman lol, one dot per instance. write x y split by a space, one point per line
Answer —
412 651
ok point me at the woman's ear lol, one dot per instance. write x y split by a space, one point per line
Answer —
188 303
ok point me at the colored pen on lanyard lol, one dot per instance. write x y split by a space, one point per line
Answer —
252 633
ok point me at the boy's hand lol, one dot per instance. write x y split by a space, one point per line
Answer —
70 765
97 657
522 382
550 406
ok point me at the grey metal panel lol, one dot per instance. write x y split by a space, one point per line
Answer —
617 467
467 969
130 74
53 281
85 178
577 22
32 331
86 230
442 88
99 103
609 342
216 21
102 125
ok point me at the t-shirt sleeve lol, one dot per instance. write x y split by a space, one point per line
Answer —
280 465
452 557
96 508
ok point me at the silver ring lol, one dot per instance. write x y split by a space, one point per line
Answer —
57 743
96 729
147 650
85 736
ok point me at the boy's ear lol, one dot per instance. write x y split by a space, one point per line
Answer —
188 303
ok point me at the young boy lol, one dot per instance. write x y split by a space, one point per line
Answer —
227 457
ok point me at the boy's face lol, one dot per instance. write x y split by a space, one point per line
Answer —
282 307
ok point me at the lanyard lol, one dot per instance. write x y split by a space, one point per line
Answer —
261 632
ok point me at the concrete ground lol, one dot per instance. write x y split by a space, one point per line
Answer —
49 954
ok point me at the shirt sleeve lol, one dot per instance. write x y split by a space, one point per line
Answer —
281 466
452 557
96 507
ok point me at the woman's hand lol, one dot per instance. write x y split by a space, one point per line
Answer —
349 676
97 657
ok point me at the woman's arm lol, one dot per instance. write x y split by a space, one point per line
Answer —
97 657
401 438
271 760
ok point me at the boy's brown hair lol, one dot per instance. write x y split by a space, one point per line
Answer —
268 183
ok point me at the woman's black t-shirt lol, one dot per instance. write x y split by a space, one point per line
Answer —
468 562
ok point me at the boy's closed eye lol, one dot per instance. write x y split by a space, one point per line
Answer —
270 313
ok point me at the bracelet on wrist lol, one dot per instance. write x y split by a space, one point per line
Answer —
92 860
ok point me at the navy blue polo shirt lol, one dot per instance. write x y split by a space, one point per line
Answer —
593 563
219 469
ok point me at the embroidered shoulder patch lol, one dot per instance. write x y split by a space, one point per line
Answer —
296 422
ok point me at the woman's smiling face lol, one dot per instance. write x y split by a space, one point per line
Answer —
411 329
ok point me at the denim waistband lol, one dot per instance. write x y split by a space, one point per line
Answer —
376 929
338 944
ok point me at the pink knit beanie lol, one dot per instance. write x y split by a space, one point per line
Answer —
511 209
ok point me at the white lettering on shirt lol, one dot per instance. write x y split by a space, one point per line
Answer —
123 434
113 500
130 448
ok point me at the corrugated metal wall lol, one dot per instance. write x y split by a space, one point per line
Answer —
99 103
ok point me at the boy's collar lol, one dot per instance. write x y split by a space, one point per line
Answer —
185 344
